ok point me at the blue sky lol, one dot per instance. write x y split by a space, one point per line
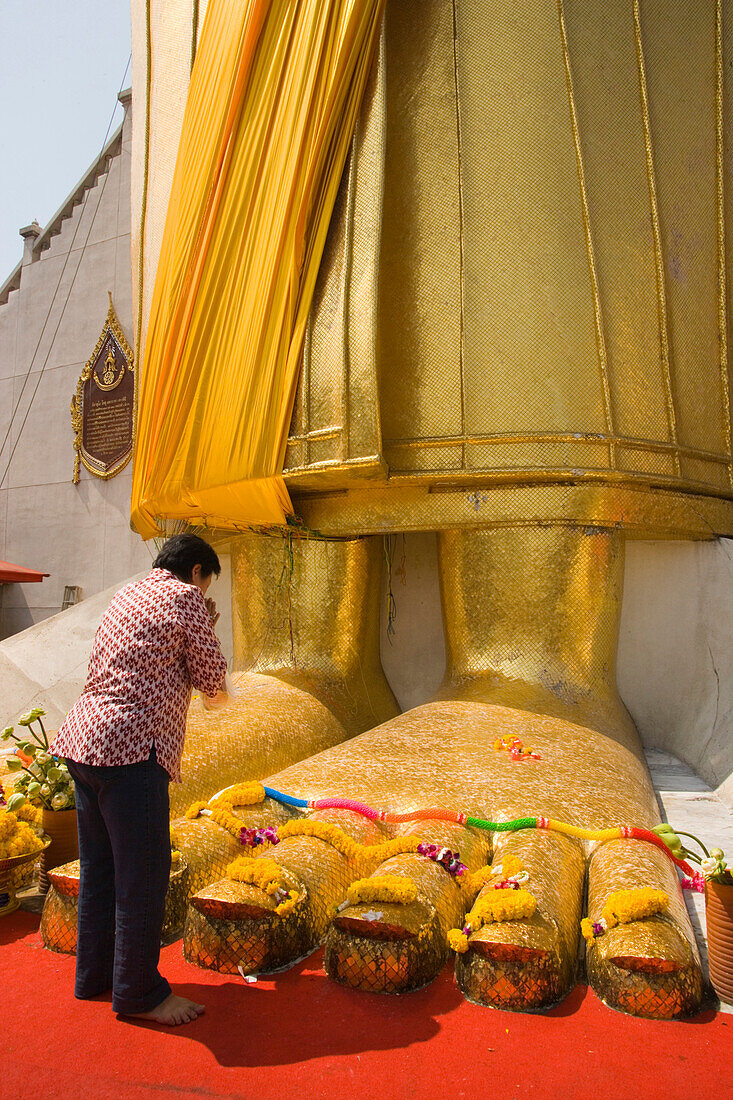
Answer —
61 66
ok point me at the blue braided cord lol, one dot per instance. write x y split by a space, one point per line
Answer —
286 799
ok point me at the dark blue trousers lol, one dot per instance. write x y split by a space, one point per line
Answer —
125 857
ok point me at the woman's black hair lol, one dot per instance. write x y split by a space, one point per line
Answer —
179 555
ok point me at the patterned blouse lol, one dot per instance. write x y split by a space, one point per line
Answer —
154 643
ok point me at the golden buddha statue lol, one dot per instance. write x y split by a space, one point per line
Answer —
518 339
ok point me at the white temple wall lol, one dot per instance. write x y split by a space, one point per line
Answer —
675 658
79 534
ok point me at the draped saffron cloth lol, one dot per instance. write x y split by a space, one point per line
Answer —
271 110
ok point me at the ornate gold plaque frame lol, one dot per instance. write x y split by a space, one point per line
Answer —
112 374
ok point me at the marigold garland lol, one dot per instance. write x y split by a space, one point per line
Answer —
322 830
382 888
623 907
241 794
220 816
400 846
478 879
630 832
362 854
227 821
510 868
264 873
458 941
268 877
629 905
497 904
501 905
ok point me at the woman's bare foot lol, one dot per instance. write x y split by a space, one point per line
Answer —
173 1010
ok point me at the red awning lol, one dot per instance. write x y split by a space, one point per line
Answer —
16 574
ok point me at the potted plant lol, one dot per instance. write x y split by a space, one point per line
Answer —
43 780
716 879
719 917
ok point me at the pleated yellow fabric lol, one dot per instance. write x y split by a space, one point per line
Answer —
271 109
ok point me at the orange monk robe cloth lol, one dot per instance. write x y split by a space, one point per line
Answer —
272 106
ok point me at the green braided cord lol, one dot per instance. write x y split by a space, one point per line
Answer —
503 826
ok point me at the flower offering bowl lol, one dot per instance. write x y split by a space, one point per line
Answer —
8 901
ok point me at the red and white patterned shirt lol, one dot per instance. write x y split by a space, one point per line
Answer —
154 643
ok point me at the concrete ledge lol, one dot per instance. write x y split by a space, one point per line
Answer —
46 665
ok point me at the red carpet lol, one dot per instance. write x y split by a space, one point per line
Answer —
300 1036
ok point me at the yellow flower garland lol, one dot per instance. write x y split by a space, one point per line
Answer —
195 809
623 907
494 905
241 794
587 931
382 888
267 876
401 845
227 821
501 905
364 854
222 817
322 830
458 941
509 866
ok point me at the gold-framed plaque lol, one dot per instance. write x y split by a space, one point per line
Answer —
102 409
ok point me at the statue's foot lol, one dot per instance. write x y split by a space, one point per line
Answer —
271 723
209 847
647 967
283 914
235 926
529 963
387 946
